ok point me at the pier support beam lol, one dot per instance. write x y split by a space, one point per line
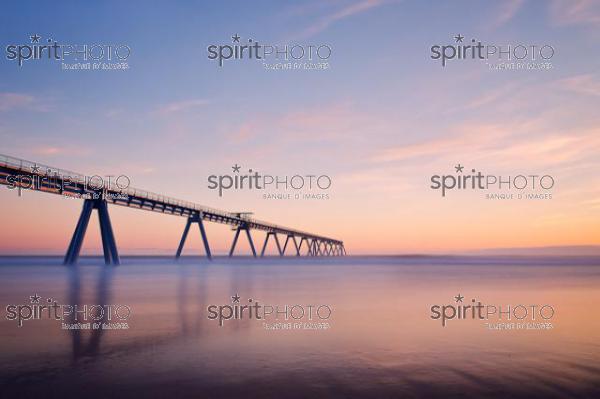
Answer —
293 237
109 246
195 218
271 233
310 245
237 234
315 247
302 240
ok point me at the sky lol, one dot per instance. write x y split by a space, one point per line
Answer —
380 120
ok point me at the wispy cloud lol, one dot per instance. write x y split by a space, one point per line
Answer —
506 12
30 148
575 12
587 84
179 106
308 8
593 203
245 132
342 12
489 97
10 101
330 122
48 150
56 150
502 145
115 112
474 137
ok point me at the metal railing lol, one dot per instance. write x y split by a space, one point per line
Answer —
49 171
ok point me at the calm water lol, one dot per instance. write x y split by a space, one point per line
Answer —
381 341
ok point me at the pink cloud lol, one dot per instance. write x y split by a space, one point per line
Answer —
503 145
506 12
33 148
181 106
48 150
245 132
346 11
10 101
468 138
323 123
583 84
575 12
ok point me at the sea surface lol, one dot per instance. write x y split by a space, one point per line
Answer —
373 336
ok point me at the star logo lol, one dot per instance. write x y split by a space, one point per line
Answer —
35 298
459 298
35 168
235 298
35 38
459 168
236 168
235 38
459 38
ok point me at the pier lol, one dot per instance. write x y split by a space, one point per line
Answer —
21 174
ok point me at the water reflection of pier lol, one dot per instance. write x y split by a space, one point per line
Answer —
190 294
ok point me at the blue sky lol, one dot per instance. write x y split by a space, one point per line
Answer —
381 120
